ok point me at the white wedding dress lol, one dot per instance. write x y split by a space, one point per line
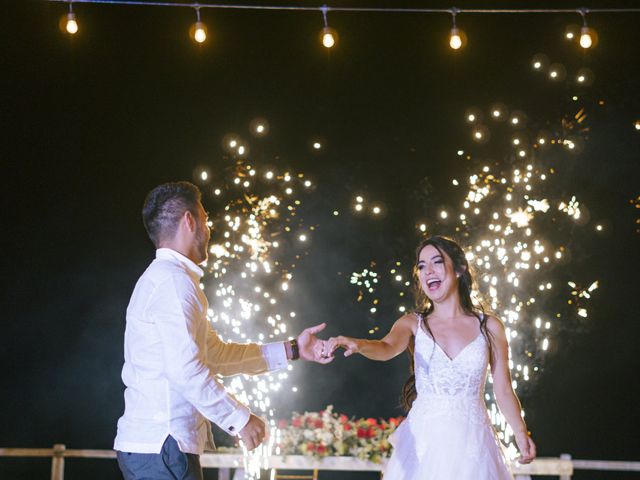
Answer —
447 434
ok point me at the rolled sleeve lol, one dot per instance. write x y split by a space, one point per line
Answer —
231 358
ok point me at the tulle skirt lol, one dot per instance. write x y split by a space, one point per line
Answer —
452 441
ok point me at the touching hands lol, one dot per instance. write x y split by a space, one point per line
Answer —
526 447
349 344
253 433
313 348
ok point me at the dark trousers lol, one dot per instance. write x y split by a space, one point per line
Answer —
169 464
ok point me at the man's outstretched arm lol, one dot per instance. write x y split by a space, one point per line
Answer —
229 358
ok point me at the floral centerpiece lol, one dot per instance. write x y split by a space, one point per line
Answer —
325 433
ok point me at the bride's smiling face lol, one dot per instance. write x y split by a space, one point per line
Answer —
436 273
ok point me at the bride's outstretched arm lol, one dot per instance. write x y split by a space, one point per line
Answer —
505 396
394 343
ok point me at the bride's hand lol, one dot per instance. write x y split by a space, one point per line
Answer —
526 447
312 348
349 344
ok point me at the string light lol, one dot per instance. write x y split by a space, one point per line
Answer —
457 38
328 36
71 24
198 30
586 34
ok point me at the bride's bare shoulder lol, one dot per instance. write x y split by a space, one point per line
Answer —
408 321
495 325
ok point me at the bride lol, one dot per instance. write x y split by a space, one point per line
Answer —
447 433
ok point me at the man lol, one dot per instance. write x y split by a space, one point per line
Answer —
172 355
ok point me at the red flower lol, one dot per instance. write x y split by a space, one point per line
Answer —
363 432
318 423
296 422
372 421
343 419
311 447
347 427
283 424
395 421
320 448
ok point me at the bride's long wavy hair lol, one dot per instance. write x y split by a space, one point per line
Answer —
424 306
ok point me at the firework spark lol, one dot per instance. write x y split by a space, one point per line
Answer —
514 239
256 241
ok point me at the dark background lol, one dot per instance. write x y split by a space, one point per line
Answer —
91 123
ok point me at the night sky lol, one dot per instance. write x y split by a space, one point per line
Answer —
91 123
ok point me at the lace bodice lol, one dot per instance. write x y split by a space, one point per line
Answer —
439 375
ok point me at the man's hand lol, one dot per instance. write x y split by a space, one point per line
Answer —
526 447
253 432
312 348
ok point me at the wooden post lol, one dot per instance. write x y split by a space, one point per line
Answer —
57 462
565 456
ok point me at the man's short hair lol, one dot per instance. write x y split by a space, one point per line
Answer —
164 207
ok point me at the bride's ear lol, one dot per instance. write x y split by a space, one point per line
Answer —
460 272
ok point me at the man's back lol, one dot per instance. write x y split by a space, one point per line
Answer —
153 407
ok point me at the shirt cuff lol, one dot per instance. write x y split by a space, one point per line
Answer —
235 422
275 355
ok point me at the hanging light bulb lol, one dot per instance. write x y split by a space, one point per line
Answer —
328 36
585 38
457 38
72 24
69 22
455 41
198 31
200 35
587 35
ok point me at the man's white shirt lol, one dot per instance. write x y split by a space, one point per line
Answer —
172 357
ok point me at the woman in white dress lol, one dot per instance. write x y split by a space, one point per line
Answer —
447 434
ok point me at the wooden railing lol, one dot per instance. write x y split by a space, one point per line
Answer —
562 467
